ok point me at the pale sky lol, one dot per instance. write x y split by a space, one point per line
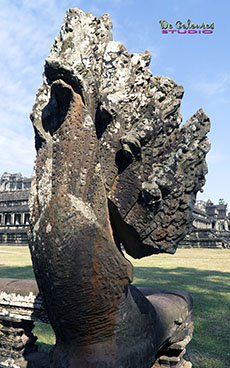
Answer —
200 62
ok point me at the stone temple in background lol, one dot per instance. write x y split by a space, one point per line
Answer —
14 209
210 228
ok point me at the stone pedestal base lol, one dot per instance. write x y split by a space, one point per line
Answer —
19 308
16 341
172 357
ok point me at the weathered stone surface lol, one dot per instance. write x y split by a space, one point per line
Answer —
20 306
113 168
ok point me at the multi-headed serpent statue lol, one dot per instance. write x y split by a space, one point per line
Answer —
114 170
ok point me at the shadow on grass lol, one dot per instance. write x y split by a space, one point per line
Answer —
46 337
25 272
42 347
211 297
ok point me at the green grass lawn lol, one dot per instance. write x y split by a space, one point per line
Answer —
204 273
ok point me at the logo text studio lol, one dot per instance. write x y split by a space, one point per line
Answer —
188 27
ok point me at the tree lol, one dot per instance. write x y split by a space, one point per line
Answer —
221 201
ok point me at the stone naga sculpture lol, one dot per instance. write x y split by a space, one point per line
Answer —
114 169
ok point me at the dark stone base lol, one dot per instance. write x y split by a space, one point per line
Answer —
16 340
173 309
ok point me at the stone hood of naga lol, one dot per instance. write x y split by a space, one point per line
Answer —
115 169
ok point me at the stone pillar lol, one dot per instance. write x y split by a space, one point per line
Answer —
5 238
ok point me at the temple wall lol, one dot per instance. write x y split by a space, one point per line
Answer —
14 209
211 227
